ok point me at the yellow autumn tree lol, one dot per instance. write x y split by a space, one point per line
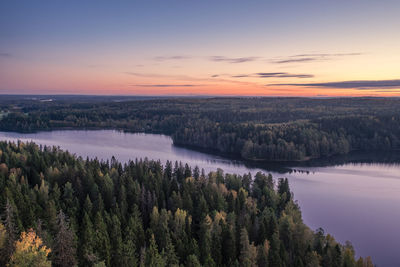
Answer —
30 251
3 236
3 240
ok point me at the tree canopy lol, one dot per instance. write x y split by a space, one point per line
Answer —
267 129
72 211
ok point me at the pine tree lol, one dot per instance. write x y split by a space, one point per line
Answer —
153 257
43 234
102 240
205 239
129 249
64 253
274 258
348 255
169 254
216 247
248 252
88 206
228 244
192 261
116 242
136 226
11 231
87 242
3 240
262 254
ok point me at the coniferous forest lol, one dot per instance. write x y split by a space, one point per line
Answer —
60 210
257 129
199 133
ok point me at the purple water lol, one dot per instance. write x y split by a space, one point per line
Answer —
356 202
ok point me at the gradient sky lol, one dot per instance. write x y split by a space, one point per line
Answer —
299 48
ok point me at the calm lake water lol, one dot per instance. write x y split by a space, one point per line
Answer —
359 202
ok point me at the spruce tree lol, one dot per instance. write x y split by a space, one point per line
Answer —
153 257
64 252
102 240
116 242
10 228
248 252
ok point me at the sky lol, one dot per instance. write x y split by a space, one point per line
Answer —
170 47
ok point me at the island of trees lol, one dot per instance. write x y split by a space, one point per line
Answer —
257 129
60 210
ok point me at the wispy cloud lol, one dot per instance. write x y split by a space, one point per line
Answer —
294 60
166 58
138 74
186 80
359 85
241 76
165 85
269 75
312 57
3 54
282 75
233 60
328 55
388 91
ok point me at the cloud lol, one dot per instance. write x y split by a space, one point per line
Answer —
294 60
282 75
233 60
328 55
241 76
188 80
165 58
143 74
359 85
388 91
271 75
165 85
2 54
313 57
212 58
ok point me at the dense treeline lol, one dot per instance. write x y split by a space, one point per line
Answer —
296 140
272 129
73 211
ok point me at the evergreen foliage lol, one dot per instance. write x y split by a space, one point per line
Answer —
267 129
96 213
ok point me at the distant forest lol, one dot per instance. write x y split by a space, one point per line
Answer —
60 210
258 129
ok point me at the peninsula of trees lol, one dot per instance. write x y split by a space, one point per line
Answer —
258 129
65 211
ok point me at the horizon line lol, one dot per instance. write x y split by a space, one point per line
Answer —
201 95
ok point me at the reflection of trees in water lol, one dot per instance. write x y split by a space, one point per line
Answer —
383 158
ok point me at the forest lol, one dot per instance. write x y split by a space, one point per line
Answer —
256 129
62 210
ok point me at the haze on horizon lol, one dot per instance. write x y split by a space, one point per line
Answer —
271 48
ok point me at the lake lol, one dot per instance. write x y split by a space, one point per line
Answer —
359 202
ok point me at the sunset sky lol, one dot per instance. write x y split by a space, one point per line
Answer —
272 48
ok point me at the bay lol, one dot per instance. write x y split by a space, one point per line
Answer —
359 202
